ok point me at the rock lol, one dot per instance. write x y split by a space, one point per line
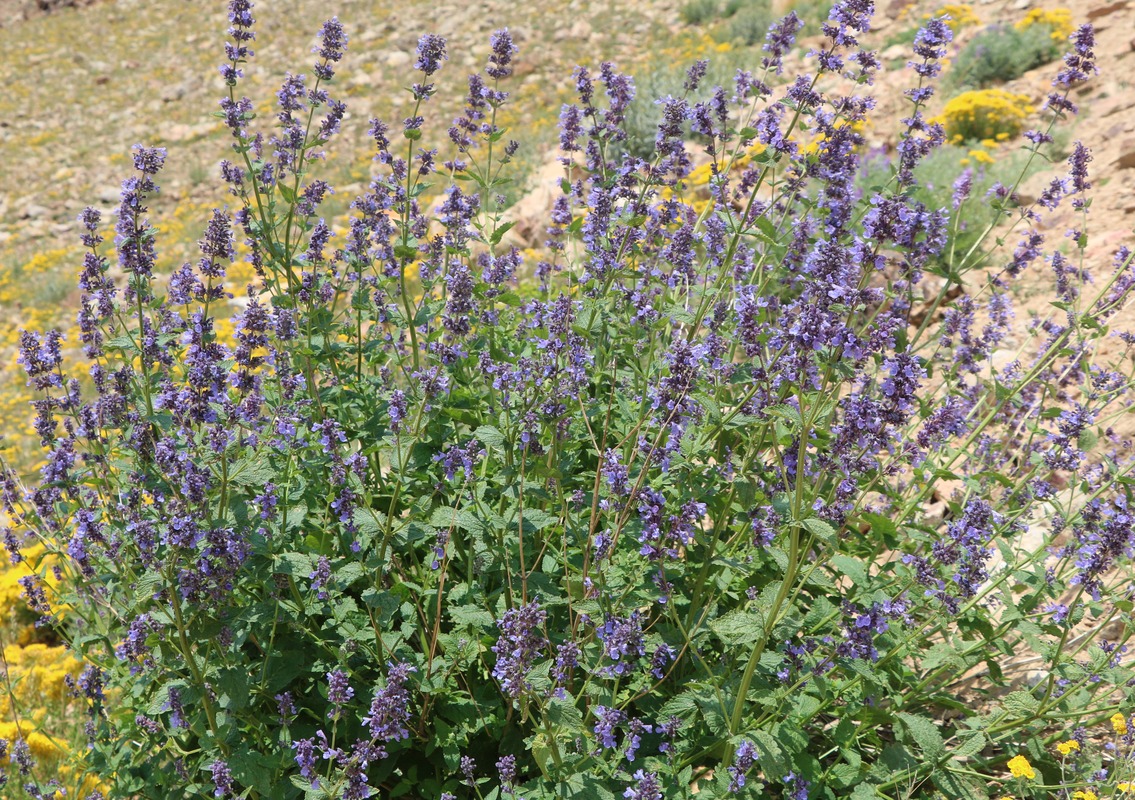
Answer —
109 194
1021 5
1119 101
1126 158
895 52
171 94
33 211
530 213
397 58
1104 11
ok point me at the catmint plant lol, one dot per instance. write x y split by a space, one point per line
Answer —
646 515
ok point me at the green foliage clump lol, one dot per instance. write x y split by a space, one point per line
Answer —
699 12
750 23
1002 53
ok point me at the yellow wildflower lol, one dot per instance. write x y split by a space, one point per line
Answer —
1058 20
1068 747
1087 794
1118 723
984 114
1126 787
960 14
1019 767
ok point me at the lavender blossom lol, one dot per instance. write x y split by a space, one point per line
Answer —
390 707
339 693
743 760
520 643
647 787
431 52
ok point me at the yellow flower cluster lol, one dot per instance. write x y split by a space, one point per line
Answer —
1059 20
1118 724
36 673
1068 747
982 156
1019 767
985 114
961 15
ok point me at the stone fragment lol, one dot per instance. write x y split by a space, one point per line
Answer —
1126 159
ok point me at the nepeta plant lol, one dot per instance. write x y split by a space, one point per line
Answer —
647 517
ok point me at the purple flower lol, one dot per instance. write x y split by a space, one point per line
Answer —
616 474
646 787
306 761
506 770
222 779
567 659
607 721
663 655
237 51
633 740
622 643
390 707
743 760
520 642
779 40
500 59
930 43
320 577
332 45
431 52
795 787
339 693
1080 64
464 457
1078 161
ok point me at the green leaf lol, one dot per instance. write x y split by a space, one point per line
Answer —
491 436
565 714
499 233
969 745
787 413
818 528
739 627
447 518
1021 703
953 785
851 567
770 754
924 733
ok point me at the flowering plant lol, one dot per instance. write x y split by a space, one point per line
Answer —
648 517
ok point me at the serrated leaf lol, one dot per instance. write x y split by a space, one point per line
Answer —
970 745
770 755
739 627
565 714
851 567
499 233
924 733
1020 703
491 436
818 528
